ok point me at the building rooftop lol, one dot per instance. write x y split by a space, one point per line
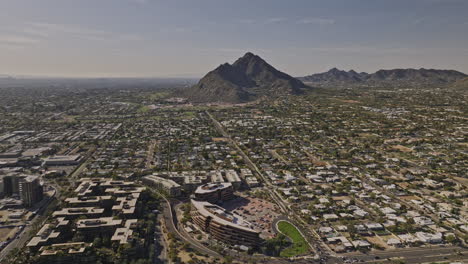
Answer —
43 235
124 190
222 216
70 248
127 204
97 222
63 158
87 199
78 211
123 234
211 187
232 176
165 182
30 178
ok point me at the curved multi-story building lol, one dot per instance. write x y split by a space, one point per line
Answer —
214 192
223 225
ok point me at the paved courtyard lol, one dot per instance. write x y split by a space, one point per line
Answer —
260 213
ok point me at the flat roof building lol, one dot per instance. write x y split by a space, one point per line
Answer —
170 186
192 182
124 234
86 188
9 155
73 213
126 205
49 234
124 191
216 176
65 249
86 201
45 236
215 192
62 160
98 225
252 181
233 178
223 225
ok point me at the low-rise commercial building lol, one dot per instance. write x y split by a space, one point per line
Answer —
192 182
170 186
233 178
252 182
62 160
126 205
124 234
86 201
45 236
49 234
73 213
98 225
124 191
68 252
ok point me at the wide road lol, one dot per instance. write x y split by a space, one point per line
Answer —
84 161
417 255
150 154
310 235
171 226
17 242
160 246
412 255
25 235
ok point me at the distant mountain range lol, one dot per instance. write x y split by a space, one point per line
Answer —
395 77
247 79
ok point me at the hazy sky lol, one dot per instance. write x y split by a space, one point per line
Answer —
168 38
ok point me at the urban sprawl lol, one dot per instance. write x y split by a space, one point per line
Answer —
134 176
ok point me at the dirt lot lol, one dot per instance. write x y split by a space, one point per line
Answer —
341 198
402 148
463 181
376 240
186 257
3 216
348 101
219 139
410 197
7 232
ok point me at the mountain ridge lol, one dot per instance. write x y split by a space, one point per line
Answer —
397 77
248 78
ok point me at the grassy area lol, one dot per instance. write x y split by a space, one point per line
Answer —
143 109
190 114
299 245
